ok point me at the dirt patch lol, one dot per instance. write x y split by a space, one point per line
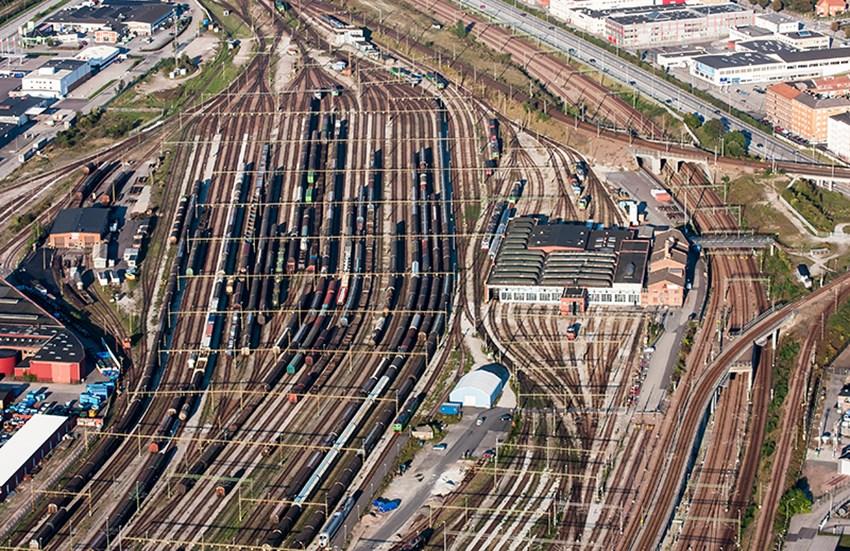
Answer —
822 476
610 154
286 63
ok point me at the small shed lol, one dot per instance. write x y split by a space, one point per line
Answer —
481 387
423 432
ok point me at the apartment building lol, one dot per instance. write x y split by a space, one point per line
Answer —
804 107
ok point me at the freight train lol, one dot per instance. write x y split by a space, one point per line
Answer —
261 235
430 288
61 506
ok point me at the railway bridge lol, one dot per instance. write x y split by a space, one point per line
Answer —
719 241
732 359
751 344
655 155
657 158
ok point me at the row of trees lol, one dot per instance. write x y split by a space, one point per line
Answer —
800 6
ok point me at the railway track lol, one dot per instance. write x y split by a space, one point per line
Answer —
425 292
353 323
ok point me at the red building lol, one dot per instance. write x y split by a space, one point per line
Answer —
34 343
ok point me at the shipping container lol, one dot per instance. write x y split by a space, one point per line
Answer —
451 408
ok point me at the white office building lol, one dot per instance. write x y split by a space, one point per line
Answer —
838 135
805 40
777 23
757 67
569 10
674 24
98 56
55 78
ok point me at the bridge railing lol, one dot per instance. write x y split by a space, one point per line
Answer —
741 330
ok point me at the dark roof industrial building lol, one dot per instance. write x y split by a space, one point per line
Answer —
79 228
32 342
543 263
141 17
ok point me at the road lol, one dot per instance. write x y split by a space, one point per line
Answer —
431 468
9 31
618 69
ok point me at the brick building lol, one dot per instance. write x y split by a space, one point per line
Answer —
665 283
80 228
803 108
828 8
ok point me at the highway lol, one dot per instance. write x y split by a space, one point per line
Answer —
640 79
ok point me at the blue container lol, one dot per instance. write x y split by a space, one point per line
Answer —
451 408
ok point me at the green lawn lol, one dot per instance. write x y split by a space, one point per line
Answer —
756 212
231 23
214 77
822 208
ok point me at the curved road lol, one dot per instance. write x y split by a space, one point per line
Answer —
642 80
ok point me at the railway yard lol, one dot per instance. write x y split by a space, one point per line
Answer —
328 251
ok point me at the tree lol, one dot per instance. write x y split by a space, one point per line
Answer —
460 29
834 26
793 502
693 121
847 32
736 143
776 5
713 130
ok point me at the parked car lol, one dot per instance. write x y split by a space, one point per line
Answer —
441 446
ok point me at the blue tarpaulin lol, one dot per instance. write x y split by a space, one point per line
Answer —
384 505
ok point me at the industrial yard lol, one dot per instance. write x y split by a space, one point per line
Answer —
372 293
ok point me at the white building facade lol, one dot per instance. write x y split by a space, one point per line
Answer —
777 23
752 67
838 135
55 79
675 26
619 294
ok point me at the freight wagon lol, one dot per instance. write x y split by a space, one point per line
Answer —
407 413
439 80
493 142
492 225
580 169
26 155
516 192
